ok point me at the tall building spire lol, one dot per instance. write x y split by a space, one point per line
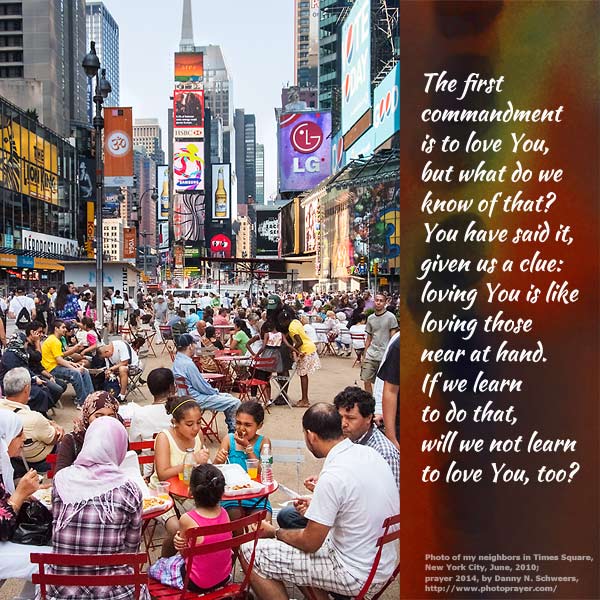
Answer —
187 29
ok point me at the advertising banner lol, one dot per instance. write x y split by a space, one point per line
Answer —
51 244
188 217
188 166
111 207
311 223
118 147
89 229
162 183
163 236
189 70
356 63
386 106
364 145
221 181
28 163
86 178
304 150
267 232
188 113
129 245
338 154
220 246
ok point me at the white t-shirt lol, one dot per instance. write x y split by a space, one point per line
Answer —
355 493
204 302
20 302
121 353
310 332
378 385
358 329
148 420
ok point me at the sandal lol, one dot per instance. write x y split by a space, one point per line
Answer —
302 404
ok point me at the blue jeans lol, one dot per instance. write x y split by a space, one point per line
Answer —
81 381
290 518
225 403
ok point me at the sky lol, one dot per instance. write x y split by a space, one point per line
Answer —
257 40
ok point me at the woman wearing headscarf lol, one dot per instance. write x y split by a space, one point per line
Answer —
14 558
16 355
97 509
98 404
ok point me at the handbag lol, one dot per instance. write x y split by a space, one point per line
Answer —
168 571
34 525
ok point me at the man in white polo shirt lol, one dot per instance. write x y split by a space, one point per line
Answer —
120 357
354 494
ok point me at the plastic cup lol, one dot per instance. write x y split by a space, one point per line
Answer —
161 490
252 468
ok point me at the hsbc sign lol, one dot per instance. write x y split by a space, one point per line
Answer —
356 63
386 106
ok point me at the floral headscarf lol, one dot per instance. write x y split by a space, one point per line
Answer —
16 344
95 401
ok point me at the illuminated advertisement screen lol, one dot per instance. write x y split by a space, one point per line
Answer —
189 66
267 232
304 150
188 108
188 166
221 183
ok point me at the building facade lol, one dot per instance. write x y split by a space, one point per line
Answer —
104 30
42 43
306 42
260 174
147 133
113 238
39 202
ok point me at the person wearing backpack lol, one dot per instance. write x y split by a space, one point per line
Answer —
22 309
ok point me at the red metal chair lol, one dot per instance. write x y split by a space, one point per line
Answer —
43 579
144 457
231 590
262 386
51 460
360 338
166 333
209 426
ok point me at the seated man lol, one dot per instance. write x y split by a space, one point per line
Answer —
41 435
357 410
119 357
198 332
177 324
55 362
192 319
354 494
207 396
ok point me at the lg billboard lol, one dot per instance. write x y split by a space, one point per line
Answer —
304 150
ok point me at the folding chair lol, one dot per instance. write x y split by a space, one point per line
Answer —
126 333
387 538
324 346
51 460
166 333
210 426
262 386
237 591
295 456
135 381
43 579
360 338
283 383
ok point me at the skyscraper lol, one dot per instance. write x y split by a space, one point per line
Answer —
306 42
260 174
147 133
250 156
42 43
103 29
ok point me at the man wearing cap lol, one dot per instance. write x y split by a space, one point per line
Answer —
207 397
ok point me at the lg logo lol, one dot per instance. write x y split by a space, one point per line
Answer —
306 137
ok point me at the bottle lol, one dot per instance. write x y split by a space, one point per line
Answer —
164 199
220 197
266 465
188 464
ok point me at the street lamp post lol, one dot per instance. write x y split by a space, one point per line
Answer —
91 66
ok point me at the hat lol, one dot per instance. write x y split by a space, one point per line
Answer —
273 302
185 340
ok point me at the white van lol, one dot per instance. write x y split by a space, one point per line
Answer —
184 297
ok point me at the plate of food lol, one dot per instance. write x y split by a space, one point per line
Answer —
153 503
44 495
242 488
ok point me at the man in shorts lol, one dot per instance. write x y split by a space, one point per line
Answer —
355 492
381 326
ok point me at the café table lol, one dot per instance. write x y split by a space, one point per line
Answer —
235 365
222 330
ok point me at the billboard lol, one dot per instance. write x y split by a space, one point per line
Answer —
338 153
188 166
162 183
363 147
386 106
220 246
188 217
311 225
221 183
189 70
163 236
304 150
129 245
111 205
86 178
356 63
28 163
188 113
288 228
267 232
118 147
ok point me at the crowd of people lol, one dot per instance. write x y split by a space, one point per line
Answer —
325 541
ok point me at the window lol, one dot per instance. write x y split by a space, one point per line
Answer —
11 72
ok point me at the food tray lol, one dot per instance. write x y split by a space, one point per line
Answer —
250 487
44 496
234 474
153 503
